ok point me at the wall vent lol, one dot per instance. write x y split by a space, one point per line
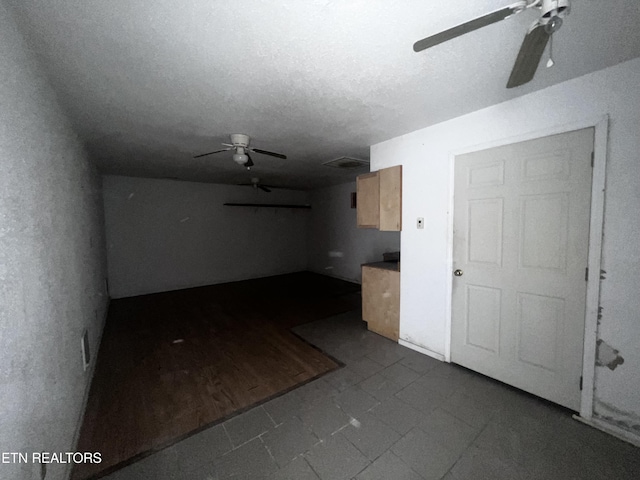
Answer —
347 162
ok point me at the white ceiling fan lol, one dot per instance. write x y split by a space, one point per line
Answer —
240 146
535 41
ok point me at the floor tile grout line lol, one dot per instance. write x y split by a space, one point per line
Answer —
275 425
266 447
405 463
228 438
467 423
466 449
311 432
388 449
311 467
233 448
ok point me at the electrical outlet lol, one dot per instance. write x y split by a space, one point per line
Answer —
420 223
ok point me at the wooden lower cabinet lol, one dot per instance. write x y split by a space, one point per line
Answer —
381 301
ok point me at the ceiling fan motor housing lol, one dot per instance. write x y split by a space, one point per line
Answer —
554 8
240 140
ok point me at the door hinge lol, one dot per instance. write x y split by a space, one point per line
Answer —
592 159
586 274
580 382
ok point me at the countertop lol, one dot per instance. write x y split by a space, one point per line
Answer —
393 266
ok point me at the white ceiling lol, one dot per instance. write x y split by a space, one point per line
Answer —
149 84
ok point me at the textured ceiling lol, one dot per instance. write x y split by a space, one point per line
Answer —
149 84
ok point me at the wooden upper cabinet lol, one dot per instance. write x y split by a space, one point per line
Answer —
391 199
368 198
380 199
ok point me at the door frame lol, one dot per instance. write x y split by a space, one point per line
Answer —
596 230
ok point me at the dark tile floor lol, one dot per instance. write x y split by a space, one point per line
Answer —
393 414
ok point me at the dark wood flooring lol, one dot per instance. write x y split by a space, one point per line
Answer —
171 364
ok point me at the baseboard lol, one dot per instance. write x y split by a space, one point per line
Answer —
338 277
87 388
175 288
611 429
422 350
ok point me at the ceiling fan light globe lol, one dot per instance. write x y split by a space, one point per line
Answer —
553 25
240 158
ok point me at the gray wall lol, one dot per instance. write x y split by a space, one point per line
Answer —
51 262
166 235
337 247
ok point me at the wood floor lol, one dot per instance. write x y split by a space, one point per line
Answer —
171 364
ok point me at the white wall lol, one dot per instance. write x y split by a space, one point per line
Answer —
337 247
52 263
427 162
166 235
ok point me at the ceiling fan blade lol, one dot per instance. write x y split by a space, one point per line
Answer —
264 189
467 27
265 152
529 56
211 153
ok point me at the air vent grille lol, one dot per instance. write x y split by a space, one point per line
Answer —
347 162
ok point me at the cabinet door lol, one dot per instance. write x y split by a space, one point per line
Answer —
381 301
390 180
368 198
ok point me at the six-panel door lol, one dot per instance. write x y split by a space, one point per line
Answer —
521 228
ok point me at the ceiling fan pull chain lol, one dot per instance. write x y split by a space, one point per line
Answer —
550 62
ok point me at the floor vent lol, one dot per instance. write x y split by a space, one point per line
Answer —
347 162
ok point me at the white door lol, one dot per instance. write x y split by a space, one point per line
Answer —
521 230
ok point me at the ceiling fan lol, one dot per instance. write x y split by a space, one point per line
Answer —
255 183
240 146
535 41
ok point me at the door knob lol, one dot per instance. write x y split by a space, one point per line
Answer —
458 272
